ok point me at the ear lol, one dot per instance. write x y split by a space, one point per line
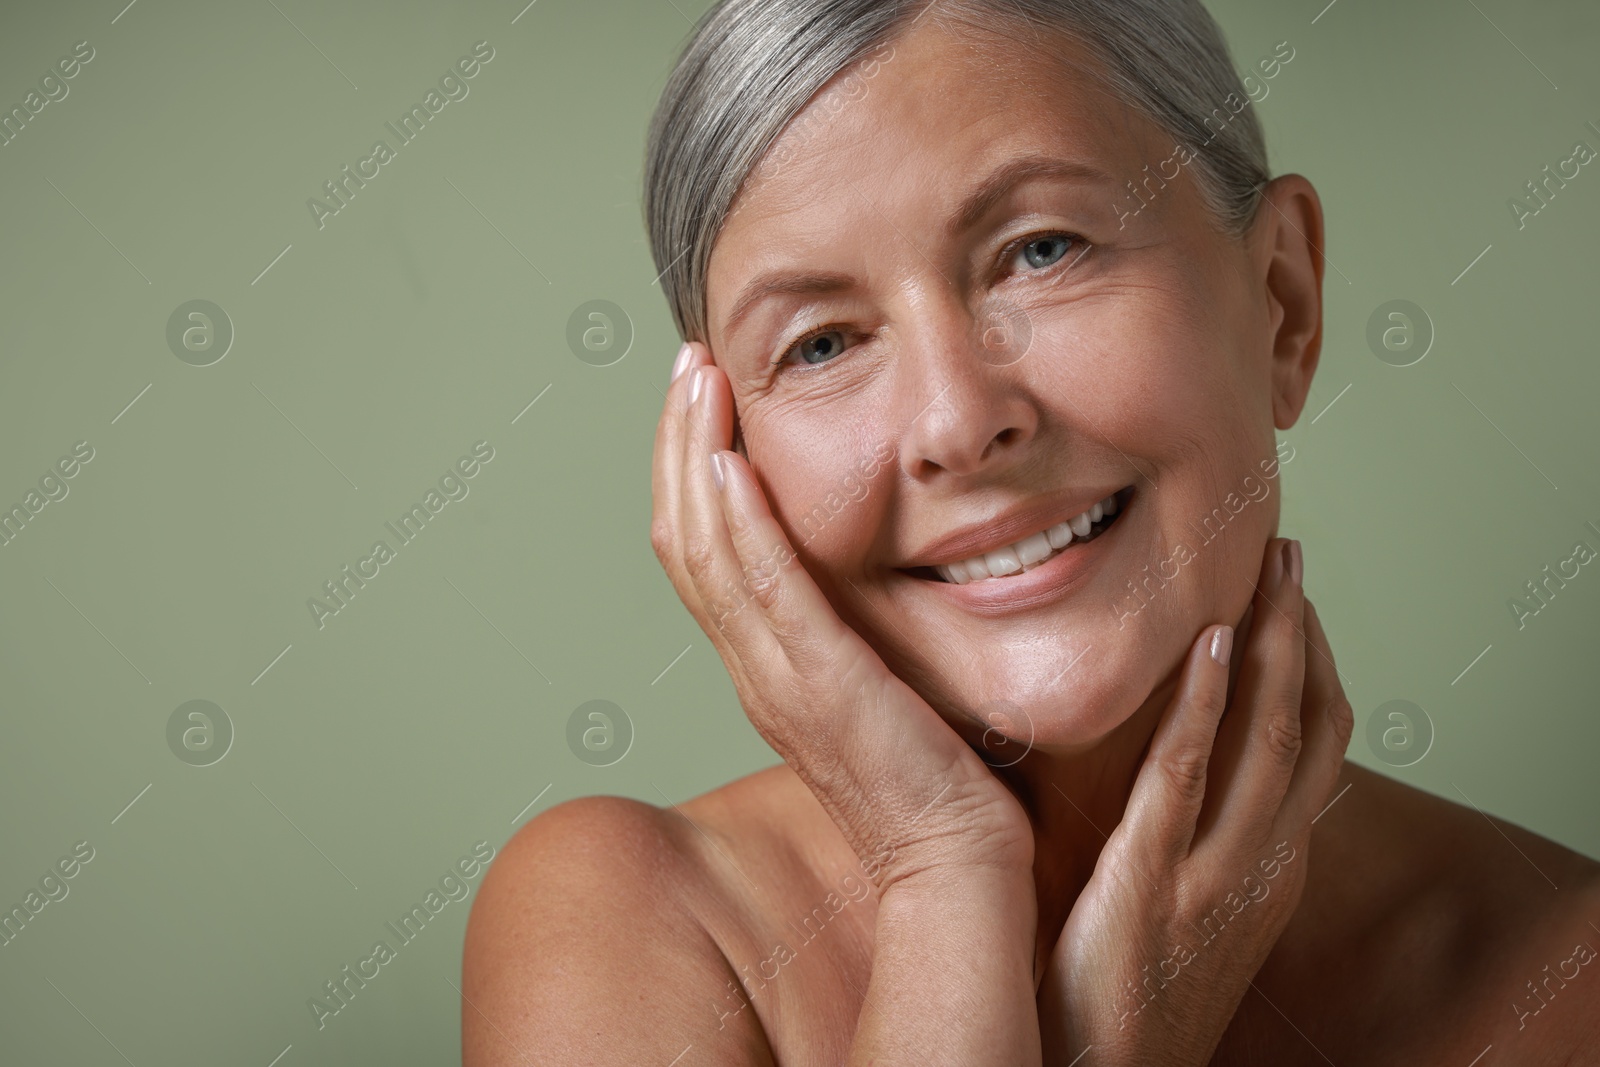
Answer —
1287 250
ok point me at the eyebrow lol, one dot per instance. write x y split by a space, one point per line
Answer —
968 214
990 191
785 285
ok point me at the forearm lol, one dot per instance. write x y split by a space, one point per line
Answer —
952 973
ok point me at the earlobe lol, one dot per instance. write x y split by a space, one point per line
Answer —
1294 273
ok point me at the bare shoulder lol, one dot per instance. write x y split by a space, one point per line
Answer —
1462 930
1542 987
588 944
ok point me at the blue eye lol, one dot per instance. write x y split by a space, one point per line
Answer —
819 345
1045 251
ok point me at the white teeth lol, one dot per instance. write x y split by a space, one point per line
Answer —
1002 561
1028 553
1033 549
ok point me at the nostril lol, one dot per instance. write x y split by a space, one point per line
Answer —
1004 439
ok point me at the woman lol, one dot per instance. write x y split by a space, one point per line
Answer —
993 315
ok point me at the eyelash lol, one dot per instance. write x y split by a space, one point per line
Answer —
1009 252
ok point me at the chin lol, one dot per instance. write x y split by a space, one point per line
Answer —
1026 702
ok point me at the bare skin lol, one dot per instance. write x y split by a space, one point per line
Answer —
1161 359
1419 928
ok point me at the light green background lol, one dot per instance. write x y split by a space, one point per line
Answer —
429 312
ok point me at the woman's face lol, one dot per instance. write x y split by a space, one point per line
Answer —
1006 339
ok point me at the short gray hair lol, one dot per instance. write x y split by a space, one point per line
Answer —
751 65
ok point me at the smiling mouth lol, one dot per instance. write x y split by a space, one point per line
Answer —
1034 550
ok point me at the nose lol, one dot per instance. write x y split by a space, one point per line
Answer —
967 413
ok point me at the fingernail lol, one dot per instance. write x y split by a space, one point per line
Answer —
1222 644
694 384
716 469
1293 564
1277 568
681 362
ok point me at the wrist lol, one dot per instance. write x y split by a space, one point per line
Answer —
952 970
999 901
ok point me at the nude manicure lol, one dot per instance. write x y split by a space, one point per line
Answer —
1222 644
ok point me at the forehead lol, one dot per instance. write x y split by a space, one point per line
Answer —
916 124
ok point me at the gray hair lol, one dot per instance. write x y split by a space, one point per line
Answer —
750 66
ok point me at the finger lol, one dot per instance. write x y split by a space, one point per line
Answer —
762 601
711 562
667 463
783 598
1329 722
1262 736
679 434
1171 786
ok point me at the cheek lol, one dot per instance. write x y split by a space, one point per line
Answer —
830 498
1121 357
1168 378
1171 388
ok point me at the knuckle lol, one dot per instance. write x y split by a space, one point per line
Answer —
699 560
1343 717
720 613
767 580
1212 702
725 600
765 584
1184 890
805 654
1283 734
1184 772
661 538
851 671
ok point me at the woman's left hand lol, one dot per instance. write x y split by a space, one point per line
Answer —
1200 878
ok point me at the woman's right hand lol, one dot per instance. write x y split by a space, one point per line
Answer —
910 796
948 845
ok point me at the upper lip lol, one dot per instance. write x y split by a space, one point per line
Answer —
1005 529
